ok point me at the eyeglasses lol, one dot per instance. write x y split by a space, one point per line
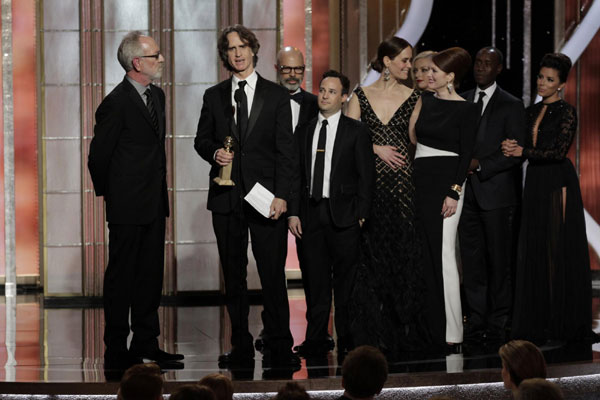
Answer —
284 69
155 56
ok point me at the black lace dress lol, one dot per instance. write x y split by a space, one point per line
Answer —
387 298
553 281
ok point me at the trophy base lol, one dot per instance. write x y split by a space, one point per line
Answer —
223 182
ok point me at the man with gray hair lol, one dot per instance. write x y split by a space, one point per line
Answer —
127 164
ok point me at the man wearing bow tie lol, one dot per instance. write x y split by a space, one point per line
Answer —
290 74
256 114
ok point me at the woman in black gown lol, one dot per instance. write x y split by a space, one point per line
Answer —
443 126
389 289
553 283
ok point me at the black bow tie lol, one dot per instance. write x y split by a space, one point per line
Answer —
297 97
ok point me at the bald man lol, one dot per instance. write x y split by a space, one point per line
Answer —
290 73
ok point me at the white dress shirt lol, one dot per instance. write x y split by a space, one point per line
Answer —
332 125
249 89
295 110
489 92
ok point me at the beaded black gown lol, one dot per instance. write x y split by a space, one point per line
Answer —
387 297
553 280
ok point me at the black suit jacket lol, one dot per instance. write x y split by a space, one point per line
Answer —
352 178
127 159
309 108
267 155
498 183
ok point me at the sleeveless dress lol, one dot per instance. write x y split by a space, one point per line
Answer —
387 296
553 296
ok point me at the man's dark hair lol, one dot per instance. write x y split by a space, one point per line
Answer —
292 391
558 61
364 372
142 382
193 392
343 79
246 35
494 50
219 384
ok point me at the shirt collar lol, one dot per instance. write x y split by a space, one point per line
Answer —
488 92
138 86
332 120
251 80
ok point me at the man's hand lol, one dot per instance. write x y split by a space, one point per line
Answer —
390 156
223 157
473 166
295 226
278 207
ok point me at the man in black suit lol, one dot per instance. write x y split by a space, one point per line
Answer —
128 167
263 152
492 194
331 201
290 74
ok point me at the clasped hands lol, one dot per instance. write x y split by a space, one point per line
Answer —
510 148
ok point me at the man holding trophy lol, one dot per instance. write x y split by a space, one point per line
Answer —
246 127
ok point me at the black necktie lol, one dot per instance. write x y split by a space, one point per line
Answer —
151 109
480 102
241 102
319 171
297 97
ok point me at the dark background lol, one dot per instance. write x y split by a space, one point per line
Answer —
467 24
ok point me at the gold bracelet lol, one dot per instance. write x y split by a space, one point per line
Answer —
456 188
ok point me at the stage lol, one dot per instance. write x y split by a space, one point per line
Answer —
53 348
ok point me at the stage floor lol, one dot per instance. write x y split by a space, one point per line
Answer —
47 345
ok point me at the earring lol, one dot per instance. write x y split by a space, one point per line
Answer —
386 74
559 89
449 86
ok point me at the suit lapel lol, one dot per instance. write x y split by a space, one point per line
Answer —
227 108
303 108
339 136
309 137
257 104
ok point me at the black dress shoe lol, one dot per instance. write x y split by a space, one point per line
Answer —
236 357
168 365
120 360
286 360
313 349
157 355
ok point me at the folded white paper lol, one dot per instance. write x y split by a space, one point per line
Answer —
260 198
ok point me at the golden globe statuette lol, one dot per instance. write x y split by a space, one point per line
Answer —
224 178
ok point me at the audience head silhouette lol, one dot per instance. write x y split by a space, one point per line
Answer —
538 389
364 373
141 382
521 360
193 392
292 391
219 384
